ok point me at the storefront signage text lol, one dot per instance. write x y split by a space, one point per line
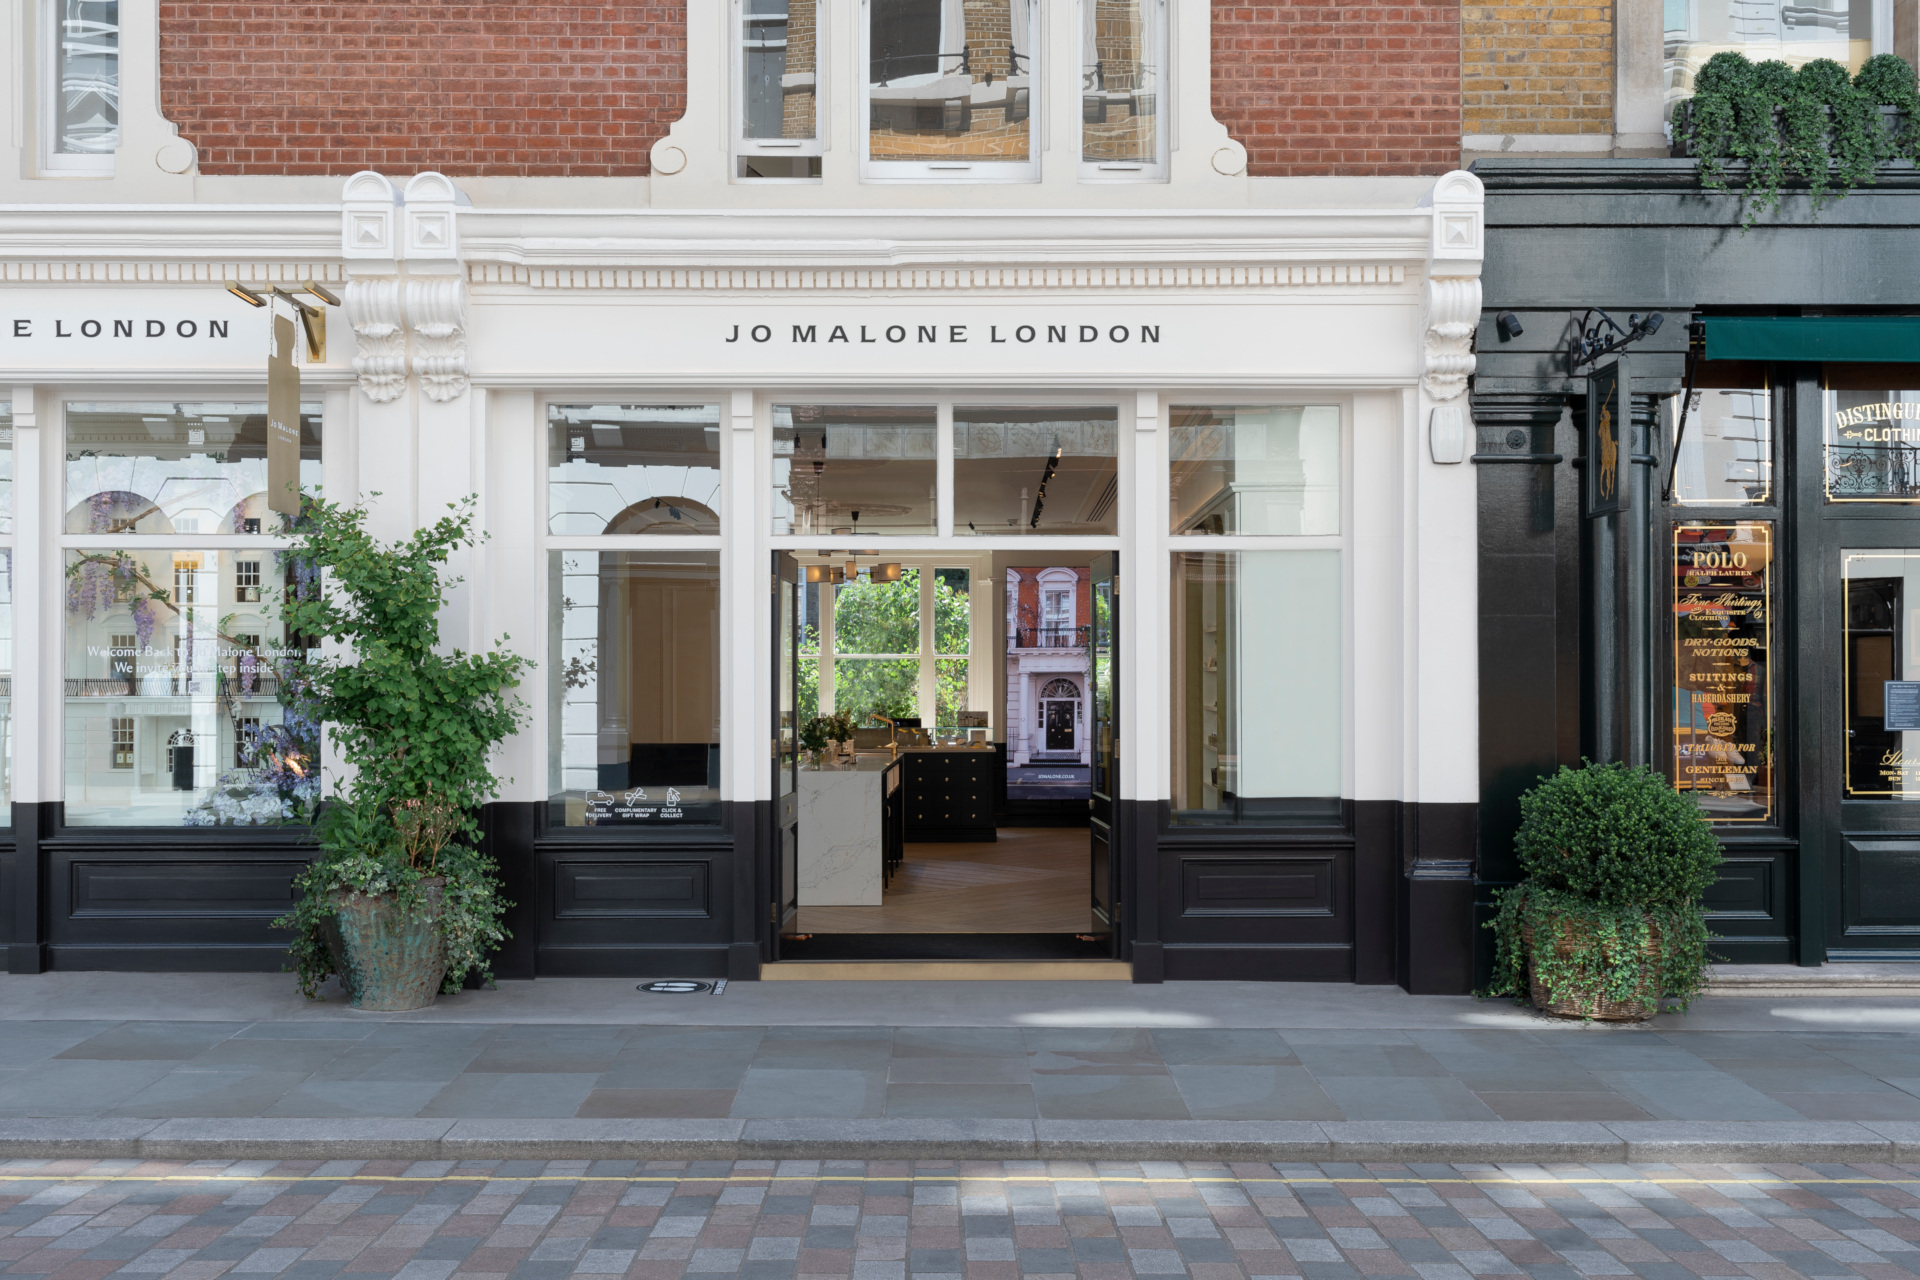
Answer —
950 334
64 328
128 330
1722 631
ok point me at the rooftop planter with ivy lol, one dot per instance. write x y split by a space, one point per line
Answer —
1761 127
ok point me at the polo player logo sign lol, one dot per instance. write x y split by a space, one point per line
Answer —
1606 415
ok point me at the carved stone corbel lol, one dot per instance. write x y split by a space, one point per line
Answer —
1453 311
1455 250
373 309
437 313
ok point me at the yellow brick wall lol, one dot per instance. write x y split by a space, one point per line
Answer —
1526 68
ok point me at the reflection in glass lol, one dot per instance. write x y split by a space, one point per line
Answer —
1256 470
176 468
630 468
1872 444
1791 31
1722 668
1882 673
88 102
1120 53
1044 470
950 80
634 688
175 710
853 469
777 41
1726 457
1256 687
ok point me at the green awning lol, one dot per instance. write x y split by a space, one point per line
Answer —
1865 339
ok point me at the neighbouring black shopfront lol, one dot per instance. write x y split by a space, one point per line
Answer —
1743 622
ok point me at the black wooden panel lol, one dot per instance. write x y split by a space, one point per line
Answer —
1332 962
1258 887
630 890
103 888
1883 886
1744 891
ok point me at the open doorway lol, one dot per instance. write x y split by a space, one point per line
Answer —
955 823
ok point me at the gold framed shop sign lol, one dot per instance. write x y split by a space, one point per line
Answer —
1722 671
1608 452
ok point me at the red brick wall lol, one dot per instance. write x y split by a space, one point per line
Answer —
503 88
1327 88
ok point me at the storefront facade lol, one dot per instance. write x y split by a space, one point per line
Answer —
1740 622
855 333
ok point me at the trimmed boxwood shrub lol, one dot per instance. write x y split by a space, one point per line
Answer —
1616 858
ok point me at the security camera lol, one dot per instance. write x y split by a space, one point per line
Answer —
1509 326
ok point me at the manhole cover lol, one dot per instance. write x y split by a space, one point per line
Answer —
675 987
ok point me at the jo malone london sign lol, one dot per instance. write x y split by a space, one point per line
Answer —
131 328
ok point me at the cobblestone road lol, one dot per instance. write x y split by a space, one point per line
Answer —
931 1220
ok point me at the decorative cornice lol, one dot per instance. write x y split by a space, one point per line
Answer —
939 279
169 272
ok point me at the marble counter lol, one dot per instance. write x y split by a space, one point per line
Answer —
842 834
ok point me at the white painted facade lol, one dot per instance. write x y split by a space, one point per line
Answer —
470 304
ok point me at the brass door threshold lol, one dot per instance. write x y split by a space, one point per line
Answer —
947 971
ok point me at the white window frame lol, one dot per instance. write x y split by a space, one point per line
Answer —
53 161
1155 170
744 146
547 730
956 171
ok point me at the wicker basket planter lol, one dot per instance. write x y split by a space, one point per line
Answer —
1570 938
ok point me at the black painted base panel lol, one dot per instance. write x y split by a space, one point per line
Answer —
633 962
943 946
204 958
1254 963
1753 950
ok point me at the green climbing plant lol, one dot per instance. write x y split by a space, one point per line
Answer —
1616 863
414 724
1815 126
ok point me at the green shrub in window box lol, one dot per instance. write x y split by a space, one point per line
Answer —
1774 126
1608 922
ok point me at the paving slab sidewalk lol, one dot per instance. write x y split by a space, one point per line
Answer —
221 1065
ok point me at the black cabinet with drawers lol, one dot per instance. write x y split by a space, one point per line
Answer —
950 795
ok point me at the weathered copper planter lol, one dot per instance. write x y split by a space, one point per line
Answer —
388 961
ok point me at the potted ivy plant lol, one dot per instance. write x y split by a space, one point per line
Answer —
400 902
1608 922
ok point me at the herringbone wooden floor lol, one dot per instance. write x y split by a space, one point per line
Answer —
1032 880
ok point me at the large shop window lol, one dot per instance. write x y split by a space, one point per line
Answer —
175 709
779 74
6 616
889 640
1726 456
1257 681
82 98
1123 51
634 648
854 469
1791 31
951 89
1871 435
1035 470
1723 745
1881 665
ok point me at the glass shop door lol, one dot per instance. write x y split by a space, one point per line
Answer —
783 878
1103 654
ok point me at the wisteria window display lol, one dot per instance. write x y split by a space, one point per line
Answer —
167 468
207 674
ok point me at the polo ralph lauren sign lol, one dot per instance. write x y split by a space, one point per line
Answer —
1609 439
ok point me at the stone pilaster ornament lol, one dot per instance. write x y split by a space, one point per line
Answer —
370 243
1454 256
436 295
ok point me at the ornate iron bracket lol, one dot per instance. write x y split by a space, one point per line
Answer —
1595 339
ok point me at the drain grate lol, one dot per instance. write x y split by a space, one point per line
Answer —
676 987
